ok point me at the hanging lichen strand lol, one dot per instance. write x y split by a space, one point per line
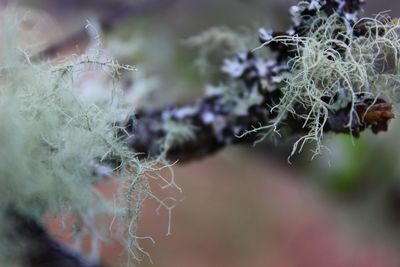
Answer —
55 146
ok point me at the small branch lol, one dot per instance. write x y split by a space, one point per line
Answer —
217 125
218 121
41 249
107 23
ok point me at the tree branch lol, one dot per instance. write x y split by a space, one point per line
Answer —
106 23
217 124
218 121
41 249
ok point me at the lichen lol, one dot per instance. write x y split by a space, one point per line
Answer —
332 68
56 145
177 134
216 43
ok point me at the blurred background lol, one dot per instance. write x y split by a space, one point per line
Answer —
243 206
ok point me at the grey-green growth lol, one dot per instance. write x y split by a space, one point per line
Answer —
333 68
55 146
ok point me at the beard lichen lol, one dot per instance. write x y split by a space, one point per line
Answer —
55 146
332 68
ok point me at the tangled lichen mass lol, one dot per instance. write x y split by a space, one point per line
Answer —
56 145
332 67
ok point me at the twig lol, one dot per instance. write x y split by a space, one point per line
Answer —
218 122
107 23
41 249
217 126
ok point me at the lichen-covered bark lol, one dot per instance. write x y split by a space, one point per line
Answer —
217 122
217 126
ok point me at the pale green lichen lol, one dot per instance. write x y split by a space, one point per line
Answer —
332 64
55 145
215 44
176 134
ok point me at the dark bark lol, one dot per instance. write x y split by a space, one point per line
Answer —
41 250
217 125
